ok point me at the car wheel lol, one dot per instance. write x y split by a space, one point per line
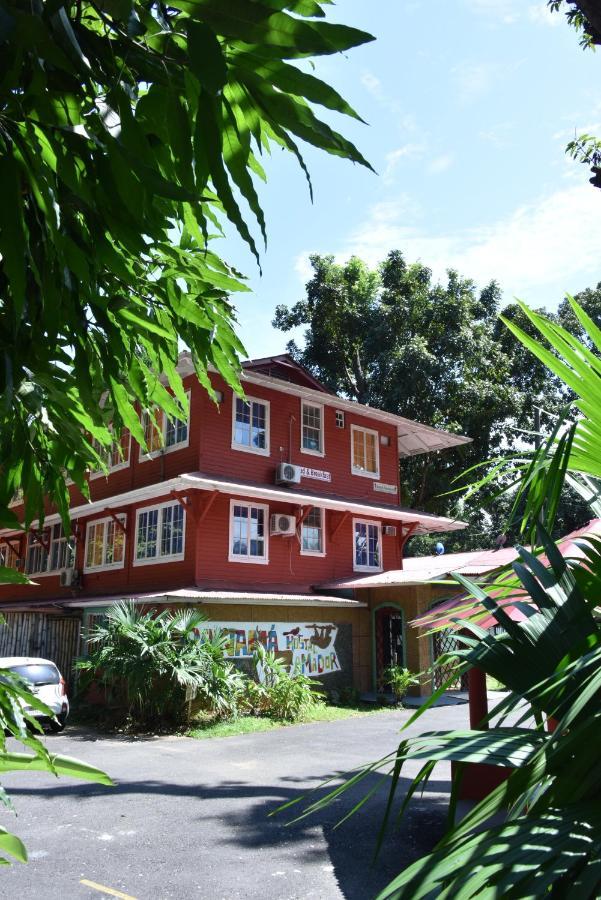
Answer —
59 723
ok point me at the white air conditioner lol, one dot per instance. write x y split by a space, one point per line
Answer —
281 524
69 577
286 473
390 530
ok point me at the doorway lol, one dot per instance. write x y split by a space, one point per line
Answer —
389 644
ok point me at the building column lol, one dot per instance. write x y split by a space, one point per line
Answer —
478 699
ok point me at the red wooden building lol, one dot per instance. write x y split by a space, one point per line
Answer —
242 509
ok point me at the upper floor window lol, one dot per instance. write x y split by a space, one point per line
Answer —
367 546
116 456
105 544
8 556
248 536
36 561
312 533
162 433
250 427
365 457
160 533
62 549
312 428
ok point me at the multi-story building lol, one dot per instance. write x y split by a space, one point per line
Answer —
245 509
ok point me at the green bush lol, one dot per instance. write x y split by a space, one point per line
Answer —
400 680
152 665
277 693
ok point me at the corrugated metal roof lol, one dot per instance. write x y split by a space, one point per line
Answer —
218 597
422 569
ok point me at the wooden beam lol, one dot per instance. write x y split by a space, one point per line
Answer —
120 525
200 513
183 500
302 514
334 531
42 538
10 540
406 530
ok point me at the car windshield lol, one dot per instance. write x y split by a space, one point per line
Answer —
38 673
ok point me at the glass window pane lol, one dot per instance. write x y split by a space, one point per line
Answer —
258 426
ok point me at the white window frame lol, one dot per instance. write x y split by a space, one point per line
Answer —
105 567
321 552
173 557
144 457
9 557
244 447
33 542
320 407
256 560
355 471
378 525
122 464
64 538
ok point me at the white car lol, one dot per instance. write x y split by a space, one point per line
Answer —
46 682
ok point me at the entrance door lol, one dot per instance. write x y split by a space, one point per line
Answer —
389 641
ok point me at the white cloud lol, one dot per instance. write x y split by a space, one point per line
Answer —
440 164
474 80
504 11
540 14
371 83
395 157
540 250
302 266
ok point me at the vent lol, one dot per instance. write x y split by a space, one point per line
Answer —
339 418
389 530
281 524
286 473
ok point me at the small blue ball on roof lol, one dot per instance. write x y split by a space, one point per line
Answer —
439 549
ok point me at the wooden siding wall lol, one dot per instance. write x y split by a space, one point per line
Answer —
39 634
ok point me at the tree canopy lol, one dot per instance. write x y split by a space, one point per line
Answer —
129 132
395 339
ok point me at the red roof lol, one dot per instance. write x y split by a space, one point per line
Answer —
464 607
286 368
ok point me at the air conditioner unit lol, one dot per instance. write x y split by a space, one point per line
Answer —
281 524
286 473
390 530
69 577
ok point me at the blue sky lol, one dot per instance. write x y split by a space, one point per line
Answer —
469 105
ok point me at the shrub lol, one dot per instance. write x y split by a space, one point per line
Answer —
400 680
279 694
153 664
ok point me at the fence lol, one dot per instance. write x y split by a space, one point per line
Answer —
38 634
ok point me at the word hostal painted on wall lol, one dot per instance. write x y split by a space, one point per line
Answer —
308 649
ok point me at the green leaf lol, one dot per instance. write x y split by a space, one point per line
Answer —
206 57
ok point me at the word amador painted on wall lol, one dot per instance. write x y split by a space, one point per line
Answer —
304 649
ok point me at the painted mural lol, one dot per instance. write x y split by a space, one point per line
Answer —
305 649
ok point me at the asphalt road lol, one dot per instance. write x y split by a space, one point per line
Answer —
189 819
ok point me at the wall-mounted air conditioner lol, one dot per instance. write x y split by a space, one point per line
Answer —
389 530
281 524
286 473
69 577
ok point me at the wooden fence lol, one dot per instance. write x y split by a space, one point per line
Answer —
39 634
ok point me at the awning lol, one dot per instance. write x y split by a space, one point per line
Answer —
217 597
424 522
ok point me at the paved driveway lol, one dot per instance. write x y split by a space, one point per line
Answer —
189 819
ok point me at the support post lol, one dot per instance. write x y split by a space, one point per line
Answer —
334 531
303 512
478 699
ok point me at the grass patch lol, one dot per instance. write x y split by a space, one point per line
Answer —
210 728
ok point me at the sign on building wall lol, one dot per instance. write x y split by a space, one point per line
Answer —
384 488
304 649
315 474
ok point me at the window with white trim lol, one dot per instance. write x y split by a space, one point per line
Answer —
163 433
248 533
312 428
8 556
312 533
160 533
116 456
365 453
250 427
36 559
62 549
367 549
105 544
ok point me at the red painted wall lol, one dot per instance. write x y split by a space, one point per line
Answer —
207 544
